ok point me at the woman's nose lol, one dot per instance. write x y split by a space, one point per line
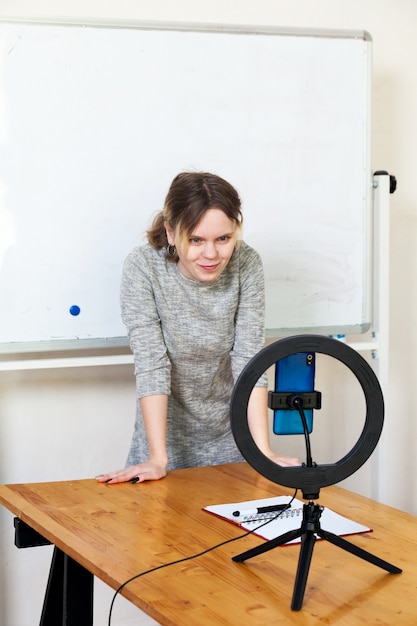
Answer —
210 251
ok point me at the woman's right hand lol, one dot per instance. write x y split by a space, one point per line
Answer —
150 470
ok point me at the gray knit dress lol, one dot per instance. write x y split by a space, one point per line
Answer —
190 340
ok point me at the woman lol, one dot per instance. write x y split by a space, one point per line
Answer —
192 300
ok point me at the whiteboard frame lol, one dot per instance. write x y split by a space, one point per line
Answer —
244 29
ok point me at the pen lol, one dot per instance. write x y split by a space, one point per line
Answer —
262 509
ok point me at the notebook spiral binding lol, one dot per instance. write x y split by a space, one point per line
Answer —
259 517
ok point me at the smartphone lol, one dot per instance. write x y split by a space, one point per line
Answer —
294 373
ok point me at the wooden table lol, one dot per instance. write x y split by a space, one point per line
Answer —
115 532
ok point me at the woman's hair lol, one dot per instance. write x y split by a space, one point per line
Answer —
192 194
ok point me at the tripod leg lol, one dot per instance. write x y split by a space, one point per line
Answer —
308 540
269 545
363 554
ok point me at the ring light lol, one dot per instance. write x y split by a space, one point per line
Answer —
308 479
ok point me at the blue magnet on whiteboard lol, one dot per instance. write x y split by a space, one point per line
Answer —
75 310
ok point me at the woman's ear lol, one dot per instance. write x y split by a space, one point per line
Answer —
170 234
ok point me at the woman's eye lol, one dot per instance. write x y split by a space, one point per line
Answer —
195 240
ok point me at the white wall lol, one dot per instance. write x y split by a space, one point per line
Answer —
75 423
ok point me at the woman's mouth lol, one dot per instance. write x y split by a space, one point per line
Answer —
209 268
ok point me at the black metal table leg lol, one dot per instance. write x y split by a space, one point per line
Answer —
69 593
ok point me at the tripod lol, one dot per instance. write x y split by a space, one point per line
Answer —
310 527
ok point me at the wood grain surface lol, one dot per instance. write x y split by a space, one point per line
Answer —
121 530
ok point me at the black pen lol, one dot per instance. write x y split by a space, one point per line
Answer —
262 509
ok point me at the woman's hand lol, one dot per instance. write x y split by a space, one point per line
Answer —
150 470
283 460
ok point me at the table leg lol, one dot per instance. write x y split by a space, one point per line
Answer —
69 593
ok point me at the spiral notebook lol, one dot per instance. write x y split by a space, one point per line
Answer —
274 524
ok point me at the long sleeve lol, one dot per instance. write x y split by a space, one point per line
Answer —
140 315
250 314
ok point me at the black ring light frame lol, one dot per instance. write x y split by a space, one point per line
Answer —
308 479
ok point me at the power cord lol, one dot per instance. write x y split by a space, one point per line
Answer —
194 556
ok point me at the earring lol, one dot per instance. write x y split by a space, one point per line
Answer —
171 251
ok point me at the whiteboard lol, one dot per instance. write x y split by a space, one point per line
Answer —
95 122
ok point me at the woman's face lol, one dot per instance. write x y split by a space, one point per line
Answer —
205 254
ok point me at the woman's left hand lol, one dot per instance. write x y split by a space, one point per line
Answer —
284 460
